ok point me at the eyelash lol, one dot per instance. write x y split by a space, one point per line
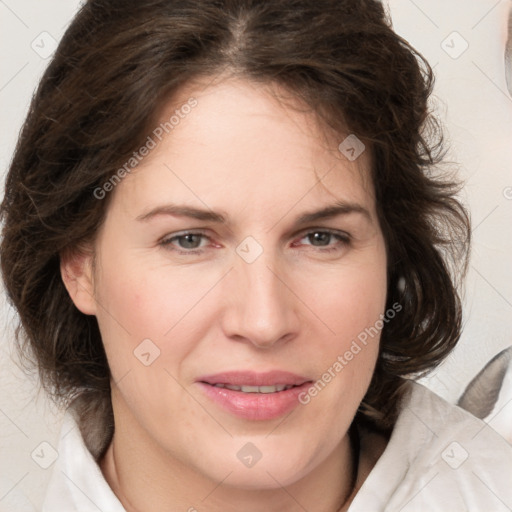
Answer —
342 237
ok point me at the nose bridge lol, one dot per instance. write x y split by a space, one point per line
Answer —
263 311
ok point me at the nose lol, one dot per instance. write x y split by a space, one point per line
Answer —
262 310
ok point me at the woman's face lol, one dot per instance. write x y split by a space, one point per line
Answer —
214 271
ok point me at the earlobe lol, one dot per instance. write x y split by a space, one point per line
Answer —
77 275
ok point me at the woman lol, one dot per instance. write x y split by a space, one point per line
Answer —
229 214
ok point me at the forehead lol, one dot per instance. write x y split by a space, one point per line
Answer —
240 148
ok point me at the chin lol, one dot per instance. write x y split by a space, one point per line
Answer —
256 463
271 475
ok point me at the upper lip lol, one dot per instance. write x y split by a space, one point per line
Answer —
251 378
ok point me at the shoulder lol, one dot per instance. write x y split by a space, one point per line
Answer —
439 457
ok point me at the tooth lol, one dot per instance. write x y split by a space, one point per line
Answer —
269 389
250 389
256 389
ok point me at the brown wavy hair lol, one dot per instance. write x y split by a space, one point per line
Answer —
118 63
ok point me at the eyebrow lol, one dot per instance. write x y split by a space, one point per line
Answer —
328 212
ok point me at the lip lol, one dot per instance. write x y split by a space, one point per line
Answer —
255 406
250 378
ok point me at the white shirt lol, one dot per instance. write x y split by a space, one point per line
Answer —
439 458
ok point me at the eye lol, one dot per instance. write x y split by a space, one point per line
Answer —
193 242
324 239
189 242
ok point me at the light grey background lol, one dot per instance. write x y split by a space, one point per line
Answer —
471 98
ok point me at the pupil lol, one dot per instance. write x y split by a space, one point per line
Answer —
189 242
321 237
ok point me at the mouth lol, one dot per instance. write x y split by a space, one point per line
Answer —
255 396
256 389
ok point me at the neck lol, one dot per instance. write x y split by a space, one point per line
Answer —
145 477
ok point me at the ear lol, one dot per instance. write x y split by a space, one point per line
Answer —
76 270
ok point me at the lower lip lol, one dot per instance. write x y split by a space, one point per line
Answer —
255 406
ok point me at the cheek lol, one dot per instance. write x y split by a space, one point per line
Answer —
170 306
131 311
139 309
347 300
350 304
144 301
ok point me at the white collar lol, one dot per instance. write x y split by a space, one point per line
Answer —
77 483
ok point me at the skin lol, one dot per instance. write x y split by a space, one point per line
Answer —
297 307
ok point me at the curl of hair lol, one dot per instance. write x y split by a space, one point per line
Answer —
115 67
